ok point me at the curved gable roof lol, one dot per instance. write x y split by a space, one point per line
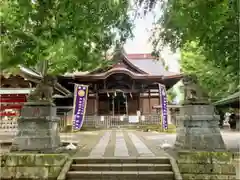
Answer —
152 66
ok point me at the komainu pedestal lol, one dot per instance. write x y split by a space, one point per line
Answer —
37 128
198 129
198 125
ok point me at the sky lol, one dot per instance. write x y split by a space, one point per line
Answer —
140 43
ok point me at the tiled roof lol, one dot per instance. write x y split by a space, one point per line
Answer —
149 64
140 56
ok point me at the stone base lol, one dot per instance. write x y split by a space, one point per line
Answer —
198 129
37 129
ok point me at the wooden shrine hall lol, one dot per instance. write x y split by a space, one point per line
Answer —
128 87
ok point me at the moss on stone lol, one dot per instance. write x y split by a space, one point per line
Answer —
53 171
31 172
40 166
207 177
25 159
50 159
8 172
206 165
204 157
227 169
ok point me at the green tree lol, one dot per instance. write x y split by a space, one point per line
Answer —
68 35
213 24
207 31
214 80
171 95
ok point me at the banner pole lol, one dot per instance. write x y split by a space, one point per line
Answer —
74 106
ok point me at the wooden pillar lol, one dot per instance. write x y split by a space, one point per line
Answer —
126 105
104 84
139 102
133 85
113 105
96 100
96 103
149 101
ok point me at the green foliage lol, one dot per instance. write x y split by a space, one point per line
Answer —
216 81
171 95
207 33
71 35
214 24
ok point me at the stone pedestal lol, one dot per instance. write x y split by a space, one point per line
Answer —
198 129
37 128
237 164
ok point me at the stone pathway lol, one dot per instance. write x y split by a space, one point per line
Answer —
110 143
121 146
99 149
119 143
142 149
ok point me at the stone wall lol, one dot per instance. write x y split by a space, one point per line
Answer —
206 165
31 166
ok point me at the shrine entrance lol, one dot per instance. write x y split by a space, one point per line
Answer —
119 105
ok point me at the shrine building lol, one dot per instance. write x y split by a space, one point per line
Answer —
127 87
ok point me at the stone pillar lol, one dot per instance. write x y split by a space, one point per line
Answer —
198 129
236 160
37 128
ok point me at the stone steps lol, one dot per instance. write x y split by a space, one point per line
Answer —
143 168
121 167
117 160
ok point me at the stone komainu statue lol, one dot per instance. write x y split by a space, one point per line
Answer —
193 93
44 90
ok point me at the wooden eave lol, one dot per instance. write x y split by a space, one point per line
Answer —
101 76
133 75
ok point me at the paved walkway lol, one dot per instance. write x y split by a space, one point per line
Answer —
118 143
108 143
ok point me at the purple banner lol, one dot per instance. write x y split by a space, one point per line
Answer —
164 109
79 105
